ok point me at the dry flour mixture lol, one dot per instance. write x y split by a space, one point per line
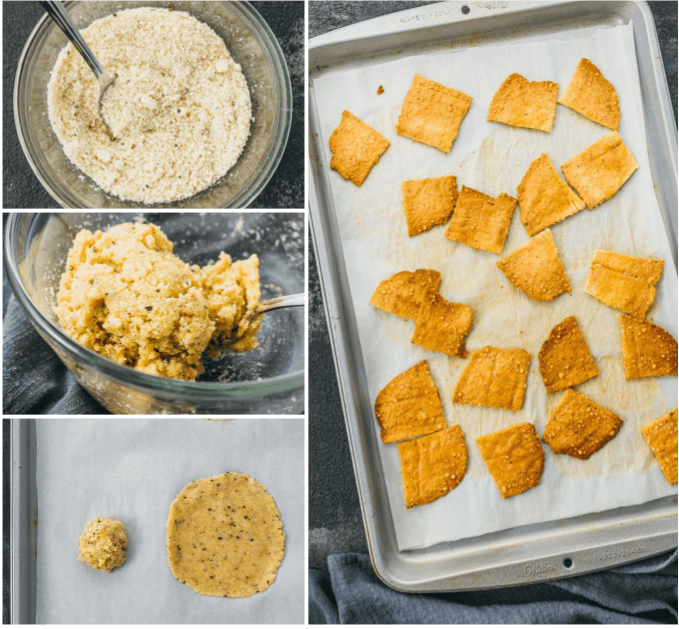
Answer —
180 108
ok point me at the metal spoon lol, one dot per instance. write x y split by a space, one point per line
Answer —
288 301
63 20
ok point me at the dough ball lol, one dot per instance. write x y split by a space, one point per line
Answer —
103 544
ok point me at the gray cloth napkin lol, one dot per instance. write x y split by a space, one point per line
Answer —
643 592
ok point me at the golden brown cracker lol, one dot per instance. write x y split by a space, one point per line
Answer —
481 221
442 326
591 95
544 199
600 170
536 270
433 465
402 293
409 406
662 438
578 427
494 377
564 358
523 103
432 113
647 349
428 202
624 282
355 148
514 458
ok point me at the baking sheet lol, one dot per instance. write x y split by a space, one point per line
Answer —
131 470
493 159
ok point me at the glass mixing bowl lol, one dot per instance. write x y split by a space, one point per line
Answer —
251 44
267 380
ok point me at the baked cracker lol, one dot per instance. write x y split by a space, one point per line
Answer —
624 282
442 326
481 221
647 349
591 95
355 148
564 358
433 465
600 170
514 458
544 198
494 377
536 270
662 438
523 103
428 202
432 113
578 427
409 406
402 293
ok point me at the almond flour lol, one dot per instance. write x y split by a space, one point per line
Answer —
180 107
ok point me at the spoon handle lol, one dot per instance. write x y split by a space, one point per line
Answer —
58 13
281 302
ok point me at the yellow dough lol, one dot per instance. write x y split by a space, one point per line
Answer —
225 536
102 545
126 296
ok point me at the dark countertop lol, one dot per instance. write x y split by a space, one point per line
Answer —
335 521
22 190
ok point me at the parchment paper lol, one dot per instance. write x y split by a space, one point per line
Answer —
493 158
131 470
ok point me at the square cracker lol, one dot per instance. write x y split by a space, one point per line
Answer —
433 465
481 221
591 95
578 427
544 199
402 294
523 103
600 170
514 458
564 358
409 406
536 270
662 438
432 113
494 377
442 326
355 148
624 282
647 349
428 202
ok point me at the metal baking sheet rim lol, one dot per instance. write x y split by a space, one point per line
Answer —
526 554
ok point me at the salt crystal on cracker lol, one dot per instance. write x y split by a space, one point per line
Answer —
433 465
578 427
523 103
600 170
647 349
442 326
564 358
591 95
402 293
624 282
356 148
481 221
662 438
428 202
432 113
536 270
544 199
409 406
514 458
494 377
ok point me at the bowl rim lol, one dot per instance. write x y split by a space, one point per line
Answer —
243 198
122 373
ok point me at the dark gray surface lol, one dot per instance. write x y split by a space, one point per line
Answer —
335 522
22 190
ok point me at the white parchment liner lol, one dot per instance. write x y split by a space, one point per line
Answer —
131 470
493 158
